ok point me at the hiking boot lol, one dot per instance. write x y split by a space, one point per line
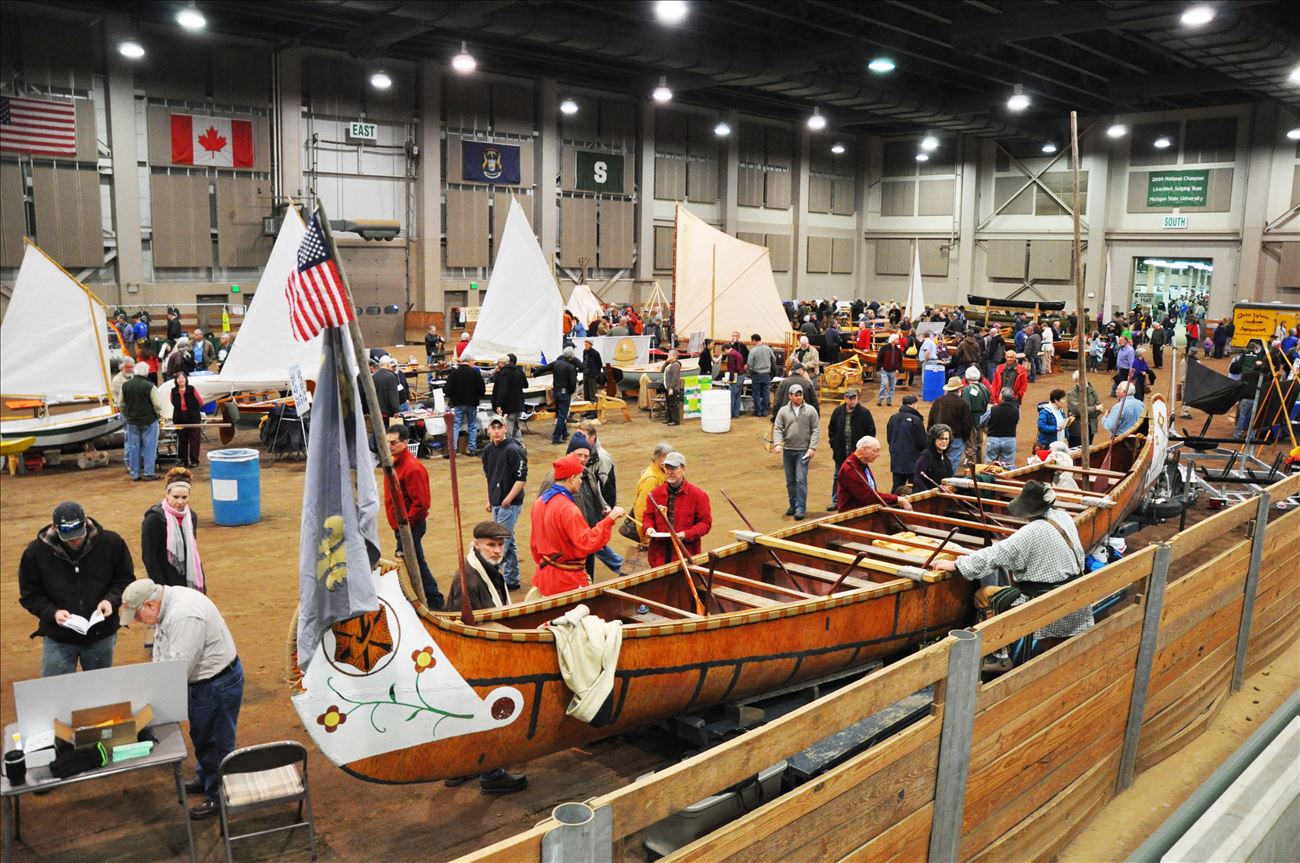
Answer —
507 783
789 510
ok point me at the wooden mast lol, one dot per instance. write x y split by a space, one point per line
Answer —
1081 325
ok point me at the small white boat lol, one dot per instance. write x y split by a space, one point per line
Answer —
52 431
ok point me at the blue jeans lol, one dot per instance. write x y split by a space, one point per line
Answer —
466 417
760 384
60 658
835 484
1001 450
796 478
214 713
888 382
610 558
956 450
431 591
737 390
141 444
561 417
508 515
1245 411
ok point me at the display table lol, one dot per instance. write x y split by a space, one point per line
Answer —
169 750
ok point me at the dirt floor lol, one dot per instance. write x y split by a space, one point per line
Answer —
253 579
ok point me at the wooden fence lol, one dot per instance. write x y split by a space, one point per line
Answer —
1014 768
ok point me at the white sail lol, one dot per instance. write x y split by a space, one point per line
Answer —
54 338
523 312
722 284
265 348
915 293
583 304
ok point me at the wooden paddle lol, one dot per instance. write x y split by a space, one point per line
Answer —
749 524
466 611
681 557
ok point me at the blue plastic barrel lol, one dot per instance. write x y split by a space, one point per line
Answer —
932 381
236 486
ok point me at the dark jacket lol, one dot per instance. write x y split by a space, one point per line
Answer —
890 358
173 328
386 392
969 353
995 351
478 591
465 387
937 466
50 579
137 402
1003 419
906 433
153 547
592 364
508 386
504 464
187 406
564 375
783 393
952 410
861 424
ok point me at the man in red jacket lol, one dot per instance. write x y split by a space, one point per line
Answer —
561 539
412 494
688 509
858 483
1012 375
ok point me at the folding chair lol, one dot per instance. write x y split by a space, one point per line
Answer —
255 777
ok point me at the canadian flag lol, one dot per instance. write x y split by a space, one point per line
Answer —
220 142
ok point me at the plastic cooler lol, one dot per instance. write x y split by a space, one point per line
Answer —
236 486
715 411
933 377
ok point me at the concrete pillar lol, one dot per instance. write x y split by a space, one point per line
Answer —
427 232
968 150
1095 159
290 122
546 159
121 143
799 197
645 194
731 175
1254 214
861 196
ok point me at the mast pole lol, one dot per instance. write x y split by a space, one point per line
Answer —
376 418
1081 326
713 295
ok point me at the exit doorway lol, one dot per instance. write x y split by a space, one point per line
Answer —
1166 283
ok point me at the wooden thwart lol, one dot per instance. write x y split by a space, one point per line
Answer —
835 556
871 534
950 521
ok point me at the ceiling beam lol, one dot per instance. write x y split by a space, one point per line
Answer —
976 34
1140 87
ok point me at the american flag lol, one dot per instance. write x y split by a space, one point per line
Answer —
38 126
316 296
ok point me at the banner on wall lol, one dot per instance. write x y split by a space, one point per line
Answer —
619 350
219 142
484 162
599 172
1177 188
692 386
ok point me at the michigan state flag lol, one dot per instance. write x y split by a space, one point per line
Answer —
339 546
483 162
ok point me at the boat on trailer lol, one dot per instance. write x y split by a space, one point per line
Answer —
406 695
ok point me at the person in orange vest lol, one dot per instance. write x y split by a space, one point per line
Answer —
561 539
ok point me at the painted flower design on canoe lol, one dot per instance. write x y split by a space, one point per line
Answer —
331 719
423 659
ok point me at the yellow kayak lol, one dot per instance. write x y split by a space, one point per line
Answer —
14 446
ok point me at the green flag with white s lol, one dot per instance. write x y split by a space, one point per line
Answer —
599 172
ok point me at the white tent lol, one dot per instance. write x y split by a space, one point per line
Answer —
583 304
265 347
523 312
721 284
54 338
915 294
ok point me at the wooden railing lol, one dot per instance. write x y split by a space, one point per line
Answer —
1014 768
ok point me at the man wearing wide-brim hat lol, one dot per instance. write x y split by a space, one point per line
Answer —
952 410
1043 554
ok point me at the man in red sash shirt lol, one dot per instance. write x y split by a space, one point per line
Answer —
561 539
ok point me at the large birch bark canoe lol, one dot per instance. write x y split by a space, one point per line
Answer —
406 695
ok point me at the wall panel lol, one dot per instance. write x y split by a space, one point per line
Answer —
67 204
842 254
670 178
750 187
241 76
819 194
467 223
818 259
333 85
934 258
467 103
1006 259
702 181
13 215
1004 188
843 199
1051 259
936 198
181 219
665 240
671 131
893 257
780 147
577 231
776 195
241 204
617 122
898 198
779 246
616 228
512 109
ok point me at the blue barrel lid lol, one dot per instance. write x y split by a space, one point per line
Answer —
239 454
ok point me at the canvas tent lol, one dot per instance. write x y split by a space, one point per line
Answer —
523 312
722 284
583 304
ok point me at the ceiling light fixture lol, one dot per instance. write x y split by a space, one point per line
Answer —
1196 16
722 130
1018 101
670 11
568 106
130 49
1294 134
1049 148
1294 77
381 81
922 157
1117 130
929 143
464 62
662 93
881 65
1162 143
817 122
837 148
191 18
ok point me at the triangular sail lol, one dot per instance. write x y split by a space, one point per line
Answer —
915 293
523 312
54 338
722 284
583 304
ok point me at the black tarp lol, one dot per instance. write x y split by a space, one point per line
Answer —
1207 390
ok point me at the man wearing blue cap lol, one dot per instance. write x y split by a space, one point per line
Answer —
71 579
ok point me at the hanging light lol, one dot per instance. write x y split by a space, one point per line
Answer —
1197 16
1018 101
381 81
662 94
722 130
130 49
1162 143
670 11
929 143
568 106
191 18
881 65
817 122
1293 134
922 157
1049 147
1117 130
837 148
1294 77
464 62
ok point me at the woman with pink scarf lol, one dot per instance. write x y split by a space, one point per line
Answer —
168 541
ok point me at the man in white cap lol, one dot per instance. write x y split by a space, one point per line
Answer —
979 396
386 391
403 391
795 434
190 628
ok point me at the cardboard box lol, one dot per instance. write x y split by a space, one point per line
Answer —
111 725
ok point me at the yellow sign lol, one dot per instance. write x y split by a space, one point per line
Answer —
1261 321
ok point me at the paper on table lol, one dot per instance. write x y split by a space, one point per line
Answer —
81 625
